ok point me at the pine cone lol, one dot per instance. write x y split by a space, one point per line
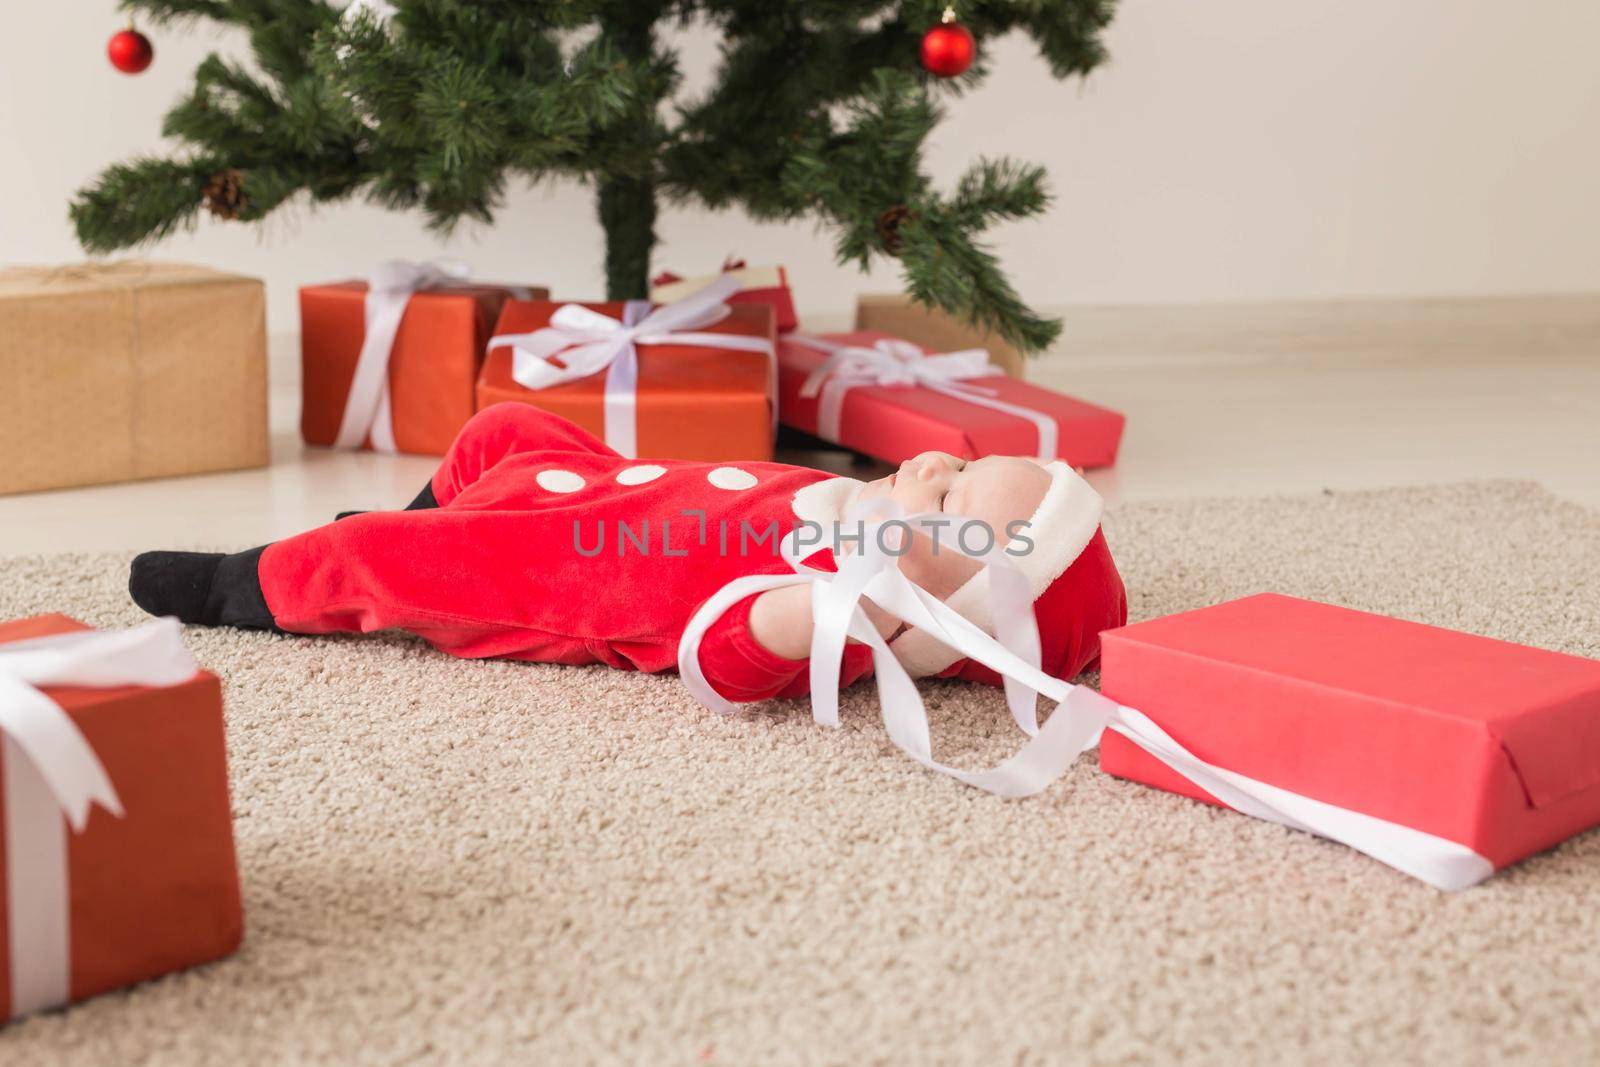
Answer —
224 194
889 227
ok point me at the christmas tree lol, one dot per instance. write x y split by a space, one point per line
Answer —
820 109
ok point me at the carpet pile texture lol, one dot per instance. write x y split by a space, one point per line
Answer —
479 862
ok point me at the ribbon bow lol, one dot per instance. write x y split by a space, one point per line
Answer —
588 342
1075 726
51 773
895 363
874 573
389 288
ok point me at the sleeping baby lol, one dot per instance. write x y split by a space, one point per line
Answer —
536 541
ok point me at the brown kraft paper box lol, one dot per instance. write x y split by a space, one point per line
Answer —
122 371
899 316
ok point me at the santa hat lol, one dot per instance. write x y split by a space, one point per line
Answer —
1077 591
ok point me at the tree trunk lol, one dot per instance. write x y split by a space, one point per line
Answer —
628 201
628 213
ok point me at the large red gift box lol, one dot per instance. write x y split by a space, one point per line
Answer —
692 402
895 422
433 366
156 889
1488 744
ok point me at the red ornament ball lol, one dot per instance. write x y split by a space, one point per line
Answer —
130 51
948 49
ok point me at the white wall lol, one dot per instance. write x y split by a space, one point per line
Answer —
1232 150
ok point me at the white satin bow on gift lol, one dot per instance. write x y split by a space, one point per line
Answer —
1074 727
588 342
53 778
892 362
367 409
389 287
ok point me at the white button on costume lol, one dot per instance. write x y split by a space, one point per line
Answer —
559 481
647 472
731 478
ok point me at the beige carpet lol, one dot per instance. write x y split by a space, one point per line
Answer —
490 863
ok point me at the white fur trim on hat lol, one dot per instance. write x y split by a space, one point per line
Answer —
1060 528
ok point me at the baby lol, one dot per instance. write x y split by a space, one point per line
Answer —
536 541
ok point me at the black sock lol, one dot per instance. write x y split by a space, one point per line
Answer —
425 501
207 588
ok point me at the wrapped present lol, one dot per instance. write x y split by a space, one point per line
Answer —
687 380
757 285
118 861
890 399
933 328
391 363
113 372
1444 754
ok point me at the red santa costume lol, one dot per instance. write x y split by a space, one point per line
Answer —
547 545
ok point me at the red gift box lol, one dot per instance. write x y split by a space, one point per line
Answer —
894 422
126 897
432 366
1486 744
691 401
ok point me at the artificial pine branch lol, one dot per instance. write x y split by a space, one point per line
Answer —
818 109
167 12
141 200
943 267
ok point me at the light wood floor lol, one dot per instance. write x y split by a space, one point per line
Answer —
1221 400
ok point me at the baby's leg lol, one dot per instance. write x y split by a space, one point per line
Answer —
441 574
490 436
345 561
506 430
449 576
213 589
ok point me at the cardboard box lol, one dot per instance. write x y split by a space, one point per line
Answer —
1488 744
693 402
433 367
157 889
936 330
895 422
114 372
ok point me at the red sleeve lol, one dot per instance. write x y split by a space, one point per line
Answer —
743 670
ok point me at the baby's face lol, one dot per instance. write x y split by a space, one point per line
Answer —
995 490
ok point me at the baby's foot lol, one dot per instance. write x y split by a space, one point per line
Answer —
207 588
424 501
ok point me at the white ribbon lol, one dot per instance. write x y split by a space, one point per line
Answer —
588 342
53 778
896 363
389 287
1080 716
